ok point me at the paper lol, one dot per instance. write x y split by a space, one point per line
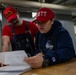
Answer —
14 68
13 57
10 73
3 73
14 60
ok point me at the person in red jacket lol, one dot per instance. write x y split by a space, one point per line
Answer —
19 33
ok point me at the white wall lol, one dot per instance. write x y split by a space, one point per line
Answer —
0 30
75 29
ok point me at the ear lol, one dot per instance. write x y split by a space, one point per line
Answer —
18 13
52 21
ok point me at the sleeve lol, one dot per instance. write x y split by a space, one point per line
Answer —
64 50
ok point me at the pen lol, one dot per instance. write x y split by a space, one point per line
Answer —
41 54
28 55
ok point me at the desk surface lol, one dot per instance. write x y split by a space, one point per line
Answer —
68 68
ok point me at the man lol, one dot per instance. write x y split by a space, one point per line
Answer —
53 42
19 33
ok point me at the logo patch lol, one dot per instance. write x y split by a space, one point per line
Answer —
8 13
49 45
42 13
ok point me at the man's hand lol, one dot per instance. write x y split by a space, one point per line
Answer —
35 61
1 64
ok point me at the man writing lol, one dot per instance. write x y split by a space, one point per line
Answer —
53 42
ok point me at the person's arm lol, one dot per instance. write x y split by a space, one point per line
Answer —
5 43
1 64
63 50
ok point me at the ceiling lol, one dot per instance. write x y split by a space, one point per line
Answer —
34 5
59 2
63 6
38 3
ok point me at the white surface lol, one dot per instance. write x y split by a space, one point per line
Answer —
10 73
15 68
15 62
3 73
13 57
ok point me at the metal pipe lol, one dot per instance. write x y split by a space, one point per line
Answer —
21 3
34 5
59 7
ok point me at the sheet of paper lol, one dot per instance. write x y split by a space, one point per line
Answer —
10 73
3 73
15 68
14 60
13 57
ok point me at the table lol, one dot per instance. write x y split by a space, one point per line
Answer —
67 68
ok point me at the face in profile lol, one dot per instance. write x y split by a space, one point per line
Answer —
15 21
44 27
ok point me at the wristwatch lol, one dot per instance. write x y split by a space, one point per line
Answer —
45 63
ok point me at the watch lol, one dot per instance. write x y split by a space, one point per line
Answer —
45 63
